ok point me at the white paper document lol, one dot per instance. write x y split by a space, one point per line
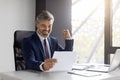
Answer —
84 73
65 60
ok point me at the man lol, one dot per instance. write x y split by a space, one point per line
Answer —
39 48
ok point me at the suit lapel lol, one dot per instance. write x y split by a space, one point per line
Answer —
39 44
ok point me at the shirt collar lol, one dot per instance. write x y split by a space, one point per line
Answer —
41 37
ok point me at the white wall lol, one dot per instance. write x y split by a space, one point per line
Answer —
14 15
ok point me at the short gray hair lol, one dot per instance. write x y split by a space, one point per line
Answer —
45 15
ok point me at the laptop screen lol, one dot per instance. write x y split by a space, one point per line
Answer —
115 61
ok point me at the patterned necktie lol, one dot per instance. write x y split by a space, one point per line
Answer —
46 49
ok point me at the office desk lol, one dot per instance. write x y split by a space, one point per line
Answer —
34 75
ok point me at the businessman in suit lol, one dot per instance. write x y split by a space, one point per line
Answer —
39 48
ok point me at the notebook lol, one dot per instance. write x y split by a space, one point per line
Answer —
84 73
65 60
106 68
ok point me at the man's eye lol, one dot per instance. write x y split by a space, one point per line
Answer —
43 25
50 26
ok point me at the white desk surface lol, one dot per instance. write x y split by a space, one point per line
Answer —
34 75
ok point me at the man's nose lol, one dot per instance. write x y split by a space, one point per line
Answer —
46 28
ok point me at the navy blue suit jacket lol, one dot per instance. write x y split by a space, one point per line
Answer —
33 53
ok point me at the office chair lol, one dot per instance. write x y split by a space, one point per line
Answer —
18 36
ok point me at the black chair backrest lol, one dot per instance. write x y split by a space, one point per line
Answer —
18 36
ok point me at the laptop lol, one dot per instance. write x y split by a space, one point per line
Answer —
65 60
108 68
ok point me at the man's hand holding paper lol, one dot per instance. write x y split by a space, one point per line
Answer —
49 63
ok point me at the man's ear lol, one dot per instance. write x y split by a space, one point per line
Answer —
36 25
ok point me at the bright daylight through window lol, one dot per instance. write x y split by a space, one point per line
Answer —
88 30
88 17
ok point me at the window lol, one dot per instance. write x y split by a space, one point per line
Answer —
90 18
116 23
88 30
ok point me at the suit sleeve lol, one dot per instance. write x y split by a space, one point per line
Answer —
29 56
68 45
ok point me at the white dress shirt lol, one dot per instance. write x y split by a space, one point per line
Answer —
42 41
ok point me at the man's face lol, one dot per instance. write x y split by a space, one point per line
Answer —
44 27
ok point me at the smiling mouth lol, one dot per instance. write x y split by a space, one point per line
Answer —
45 32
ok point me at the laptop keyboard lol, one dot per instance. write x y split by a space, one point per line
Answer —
99 68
